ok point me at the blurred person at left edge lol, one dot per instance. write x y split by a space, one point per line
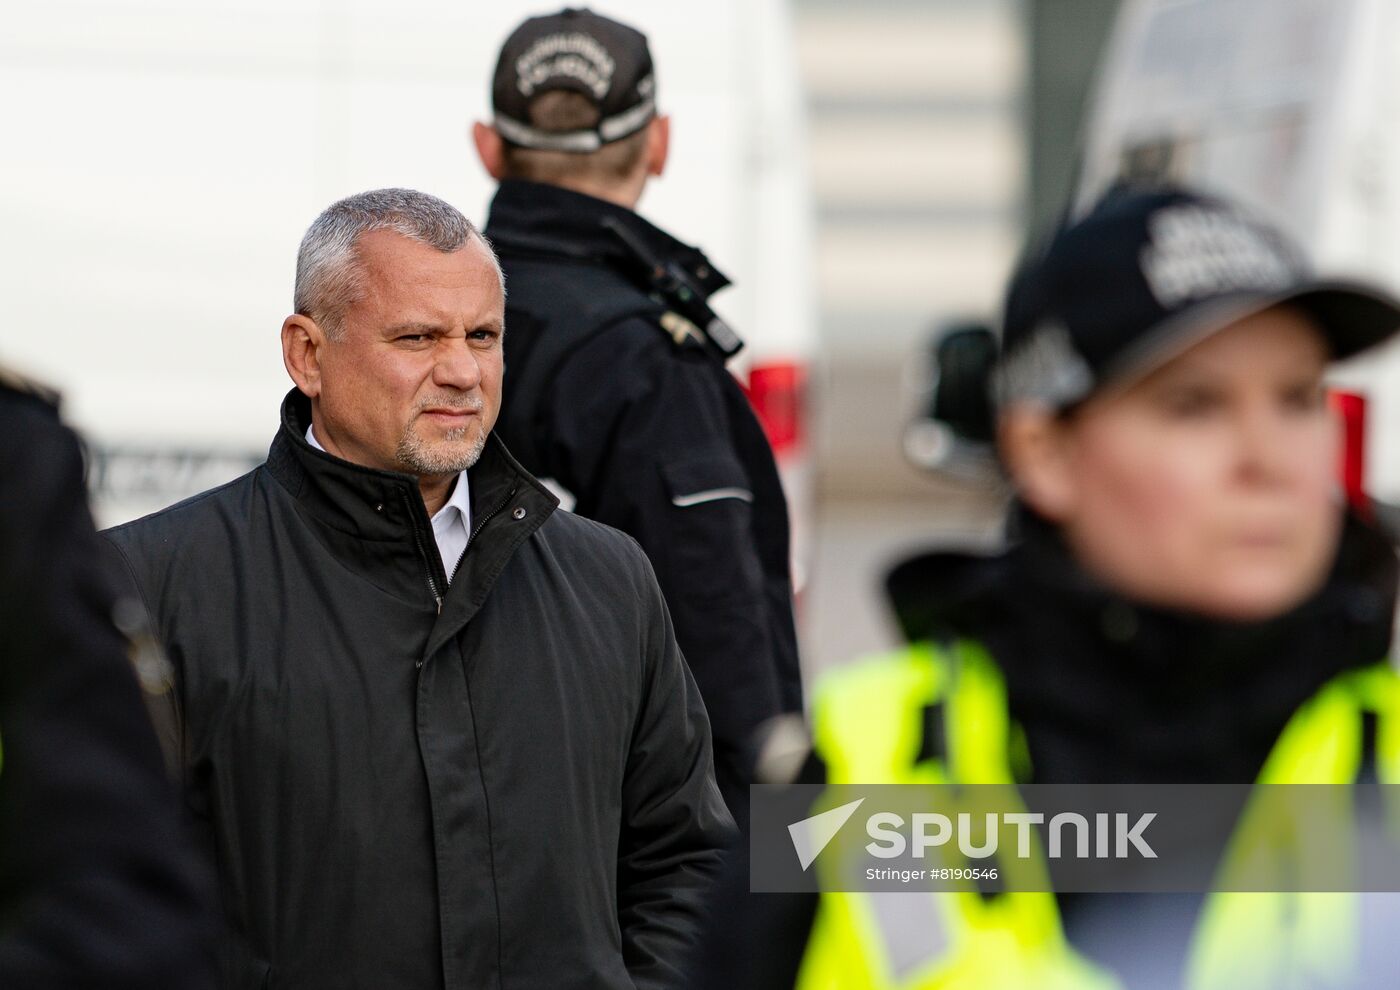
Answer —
441 734
99 885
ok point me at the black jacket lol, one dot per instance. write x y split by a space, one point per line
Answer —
514 791
640 429
99 885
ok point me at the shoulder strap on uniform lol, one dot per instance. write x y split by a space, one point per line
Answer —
1324 742
1376 690
925 713
979 726
867 715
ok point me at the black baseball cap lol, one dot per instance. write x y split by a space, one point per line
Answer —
577 50
1146 274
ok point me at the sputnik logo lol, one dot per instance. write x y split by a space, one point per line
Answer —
811 835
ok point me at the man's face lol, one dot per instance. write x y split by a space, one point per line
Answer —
413 381
1209 485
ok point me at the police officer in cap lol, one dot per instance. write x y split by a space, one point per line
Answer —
617 389
98 885
1184 600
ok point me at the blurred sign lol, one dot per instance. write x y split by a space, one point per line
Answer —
127 481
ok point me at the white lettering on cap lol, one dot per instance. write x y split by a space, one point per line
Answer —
1198 252
1045 369
575 56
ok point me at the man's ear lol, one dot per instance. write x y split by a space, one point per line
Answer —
490 149
658 144
303 341
1037 448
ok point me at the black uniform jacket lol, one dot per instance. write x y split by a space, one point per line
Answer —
655 438
99 884
514 790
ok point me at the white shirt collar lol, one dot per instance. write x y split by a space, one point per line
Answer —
460 499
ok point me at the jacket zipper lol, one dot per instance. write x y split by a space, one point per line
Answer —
423 552
471 537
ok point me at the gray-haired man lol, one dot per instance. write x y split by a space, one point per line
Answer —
440 733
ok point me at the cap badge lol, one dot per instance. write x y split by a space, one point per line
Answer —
574 55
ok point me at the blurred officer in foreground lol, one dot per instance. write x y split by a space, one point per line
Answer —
1186 600
98 884
617 388
440 734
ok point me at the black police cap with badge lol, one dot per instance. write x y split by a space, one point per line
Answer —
1114 294
576 50
1146 274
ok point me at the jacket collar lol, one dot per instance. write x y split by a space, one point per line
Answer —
534 218
460 499
376 522
941 594
356 500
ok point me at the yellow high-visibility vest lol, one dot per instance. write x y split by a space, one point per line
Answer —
868 728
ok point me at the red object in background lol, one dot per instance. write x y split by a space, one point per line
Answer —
775 392
1351 410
